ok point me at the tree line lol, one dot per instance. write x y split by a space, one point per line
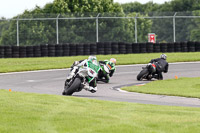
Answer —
36 32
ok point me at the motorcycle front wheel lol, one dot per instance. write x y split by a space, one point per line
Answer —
75 85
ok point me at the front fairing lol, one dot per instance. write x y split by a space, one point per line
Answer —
90 69
93 68
102 69
83 72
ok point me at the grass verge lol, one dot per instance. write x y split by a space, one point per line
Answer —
186 87
29 64
36 113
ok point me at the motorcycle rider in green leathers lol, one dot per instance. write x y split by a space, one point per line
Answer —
107 70
92 87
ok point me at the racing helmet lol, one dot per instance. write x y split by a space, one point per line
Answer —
92 57
163 56
113 60
75 63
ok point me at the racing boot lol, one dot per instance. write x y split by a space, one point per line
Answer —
158 76
155 76
90 88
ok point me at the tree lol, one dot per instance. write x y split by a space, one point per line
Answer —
138 7
37 32
195 32
164 27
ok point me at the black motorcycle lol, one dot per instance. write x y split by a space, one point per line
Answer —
147 72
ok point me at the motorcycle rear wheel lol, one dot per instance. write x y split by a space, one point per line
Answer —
142 75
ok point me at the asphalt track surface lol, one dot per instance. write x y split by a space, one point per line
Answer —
52 82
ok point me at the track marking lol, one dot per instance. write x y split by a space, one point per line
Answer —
121 90
30 81
118 89
37 71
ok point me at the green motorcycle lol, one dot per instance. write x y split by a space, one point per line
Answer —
106 71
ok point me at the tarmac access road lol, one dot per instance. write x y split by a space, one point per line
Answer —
52 82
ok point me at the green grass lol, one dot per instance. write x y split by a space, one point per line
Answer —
40 113
186 87
27 64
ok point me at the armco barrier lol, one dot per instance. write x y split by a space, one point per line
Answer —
100 48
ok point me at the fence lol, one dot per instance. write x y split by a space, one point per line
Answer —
92 28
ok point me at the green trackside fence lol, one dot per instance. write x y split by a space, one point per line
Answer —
32 29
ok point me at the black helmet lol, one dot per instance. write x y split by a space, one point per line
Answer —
163 56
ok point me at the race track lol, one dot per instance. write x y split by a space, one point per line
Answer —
52 82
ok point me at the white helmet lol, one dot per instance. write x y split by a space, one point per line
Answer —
113 60
163 56
75 63
92 57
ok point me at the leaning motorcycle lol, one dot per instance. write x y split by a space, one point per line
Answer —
104 70
147 72
82 76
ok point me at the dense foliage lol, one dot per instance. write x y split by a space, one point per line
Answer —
73 30
187 29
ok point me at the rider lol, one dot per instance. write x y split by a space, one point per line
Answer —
92 87
161 66
103 75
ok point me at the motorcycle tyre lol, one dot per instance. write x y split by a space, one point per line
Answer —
142 74
76 84
65 87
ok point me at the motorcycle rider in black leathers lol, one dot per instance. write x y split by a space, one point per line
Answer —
161 66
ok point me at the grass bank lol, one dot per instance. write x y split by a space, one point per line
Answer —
36 113
186 87
28 64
